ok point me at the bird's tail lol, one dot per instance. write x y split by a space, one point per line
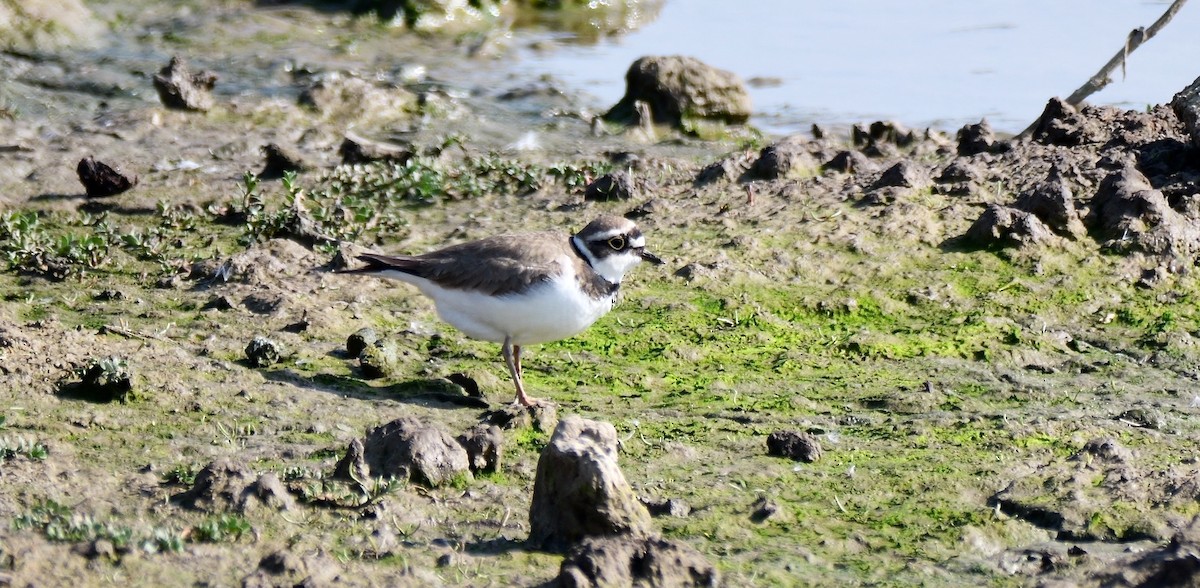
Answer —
377 264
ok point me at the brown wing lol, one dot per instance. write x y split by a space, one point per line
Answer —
496 265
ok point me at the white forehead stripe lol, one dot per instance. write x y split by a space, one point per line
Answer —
609 234
638 241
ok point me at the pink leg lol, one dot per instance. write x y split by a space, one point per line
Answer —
512 357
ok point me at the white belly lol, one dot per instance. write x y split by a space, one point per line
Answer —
548 312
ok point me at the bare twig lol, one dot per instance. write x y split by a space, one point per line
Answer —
1133 41
129 333
1101 78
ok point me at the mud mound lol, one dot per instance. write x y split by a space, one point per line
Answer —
225 485
1102 493
285 568
625 561
682 87
580 491
406 449
1128 178
1176 564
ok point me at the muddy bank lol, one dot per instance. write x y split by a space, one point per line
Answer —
874 355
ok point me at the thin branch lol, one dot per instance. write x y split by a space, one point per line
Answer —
1101 79
1136 38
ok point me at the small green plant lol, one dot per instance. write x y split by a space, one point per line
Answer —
329 493
576 177
219 529
11 447
106 379
148 245
59 523
295 473
343 493
261 223
355 199
163 541
22 236
174 216
183 475
87 251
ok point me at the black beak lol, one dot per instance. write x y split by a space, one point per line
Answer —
652 258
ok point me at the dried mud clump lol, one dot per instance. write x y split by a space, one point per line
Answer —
1186 105
1008 226
618 185
101 180
764 509
678 88
226 485
1123 177
345 97
380 359
285 568
900 179
543 417
668 507
263 352
903 174
728 168
794 445
406 449
1053 202
783 158
976 138
1062 124
580 491
626 561
356 149
360 340
850 162
1175 564
888 139
1130 214
485 447
279 160
882 131
179 88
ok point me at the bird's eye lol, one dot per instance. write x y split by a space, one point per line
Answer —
617 243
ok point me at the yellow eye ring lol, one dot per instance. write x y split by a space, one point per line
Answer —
617 243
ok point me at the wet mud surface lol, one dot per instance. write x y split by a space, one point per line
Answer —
875 355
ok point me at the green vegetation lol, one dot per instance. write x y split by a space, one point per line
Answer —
11 447
106 379
219 529
928 374
59 523
181 475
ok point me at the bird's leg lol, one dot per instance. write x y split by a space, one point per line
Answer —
512 357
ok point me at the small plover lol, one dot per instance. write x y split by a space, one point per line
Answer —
523 289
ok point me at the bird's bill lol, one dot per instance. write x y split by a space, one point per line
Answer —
652 258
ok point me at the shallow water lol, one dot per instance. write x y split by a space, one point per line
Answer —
940 63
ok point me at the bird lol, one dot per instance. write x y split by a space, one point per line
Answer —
522 289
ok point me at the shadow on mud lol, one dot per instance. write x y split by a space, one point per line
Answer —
423 391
